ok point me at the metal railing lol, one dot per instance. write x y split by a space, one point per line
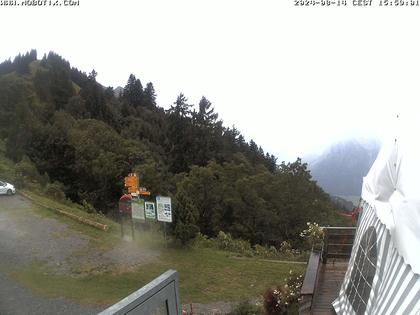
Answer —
158 297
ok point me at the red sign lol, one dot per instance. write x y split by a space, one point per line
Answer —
124 205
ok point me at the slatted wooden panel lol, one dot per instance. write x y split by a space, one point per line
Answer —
330 277
338 242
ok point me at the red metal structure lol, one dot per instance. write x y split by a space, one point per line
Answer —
124 205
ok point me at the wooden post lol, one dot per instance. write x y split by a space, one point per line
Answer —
132 228
121 224
324 253
164 233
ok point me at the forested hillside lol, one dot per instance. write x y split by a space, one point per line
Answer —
65 130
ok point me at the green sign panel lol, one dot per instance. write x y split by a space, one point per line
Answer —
137 208
150 210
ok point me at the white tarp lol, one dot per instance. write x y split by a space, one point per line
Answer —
377 281
392 186
383 273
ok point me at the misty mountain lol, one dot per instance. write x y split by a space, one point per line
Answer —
341 168
118 91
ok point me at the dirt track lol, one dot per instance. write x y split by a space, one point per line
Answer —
26 237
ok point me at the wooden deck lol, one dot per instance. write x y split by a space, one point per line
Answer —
330 277
325 271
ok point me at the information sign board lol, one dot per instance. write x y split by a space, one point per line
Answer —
137 208
150 210
164 209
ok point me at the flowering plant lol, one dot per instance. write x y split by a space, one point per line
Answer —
314 235
283 299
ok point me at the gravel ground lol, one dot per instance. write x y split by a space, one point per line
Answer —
17 300
26 237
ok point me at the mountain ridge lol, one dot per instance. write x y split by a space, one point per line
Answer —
341 168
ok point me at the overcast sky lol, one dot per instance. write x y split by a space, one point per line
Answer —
294 79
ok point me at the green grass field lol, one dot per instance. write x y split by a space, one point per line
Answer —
206 276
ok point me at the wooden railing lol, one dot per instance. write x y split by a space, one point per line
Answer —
337 243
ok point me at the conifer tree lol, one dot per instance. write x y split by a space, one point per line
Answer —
149 95
133 91
206 115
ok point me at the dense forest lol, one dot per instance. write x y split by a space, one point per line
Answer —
65 129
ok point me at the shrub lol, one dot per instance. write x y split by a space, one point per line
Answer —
26 170
285 247
202 240
262 251
55 190
243 247
314 235
273 252
185 232
44 180
285 251
226 242
283 300
88 207
274 301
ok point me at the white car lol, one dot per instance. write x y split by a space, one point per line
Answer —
7 189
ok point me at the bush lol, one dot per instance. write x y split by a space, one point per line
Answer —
285 251
314 235
44 180
226 242
88 207
285 247
55 190
262 251
273 252
26 171
283 300
204 241
185 232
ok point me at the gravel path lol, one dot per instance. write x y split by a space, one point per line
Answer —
17 300
26 236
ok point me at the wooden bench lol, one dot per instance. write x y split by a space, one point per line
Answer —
309 283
